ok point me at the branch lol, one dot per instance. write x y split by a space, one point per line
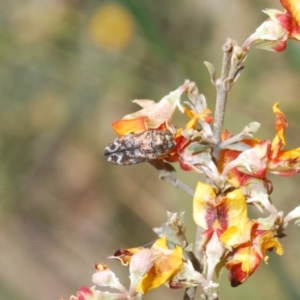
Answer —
233 58
168 174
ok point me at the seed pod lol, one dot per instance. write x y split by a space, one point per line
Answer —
136 148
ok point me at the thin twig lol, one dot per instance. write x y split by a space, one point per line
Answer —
168 174
221 88
233 58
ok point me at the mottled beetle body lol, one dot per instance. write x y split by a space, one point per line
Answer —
136 148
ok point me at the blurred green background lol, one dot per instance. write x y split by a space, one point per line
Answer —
67 70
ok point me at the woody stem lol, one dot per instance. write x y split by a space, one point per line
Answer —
222 90
233 58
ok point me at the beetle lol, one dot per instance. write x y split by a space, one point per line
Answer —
141 147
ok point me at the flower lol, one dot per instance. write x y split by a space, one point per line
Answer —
282 162
158 115
274 33
229 231
247 163
165 263
248 256
152 115
224 218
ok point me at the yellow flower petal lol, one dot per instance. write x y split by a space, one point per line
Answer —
239 226
249 259
280 127
194 117
237 208
266 242
203 203
167 262
237 235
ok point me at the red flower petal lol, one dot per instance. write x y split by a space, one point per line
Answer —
292 6
236 276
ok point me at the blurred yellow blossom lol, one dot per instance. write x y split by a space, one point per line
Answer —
111 27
